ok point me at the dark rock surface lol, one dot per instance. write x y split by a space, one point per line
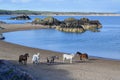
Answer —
11 72
21 17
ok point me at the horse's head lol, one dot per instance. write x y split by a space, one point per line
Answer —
38 54
27 54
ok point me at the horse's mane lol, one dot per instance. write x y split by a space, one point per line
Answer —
78 53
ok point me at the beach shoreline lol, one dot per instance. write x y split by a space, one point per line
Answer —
94 69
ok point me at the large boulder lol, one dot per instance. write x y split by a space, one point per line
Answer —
36 21
96 22
46 21
70 26
21 17
93 25
84 21
51 21
69 20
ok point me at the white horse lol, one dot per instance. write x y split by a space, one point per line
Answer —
36 58
68 56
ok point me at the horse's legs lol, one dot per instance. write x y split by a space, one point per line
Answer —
52 60
80 57
33 62
71 60
25 62
20 61
48 60
63 60
37 61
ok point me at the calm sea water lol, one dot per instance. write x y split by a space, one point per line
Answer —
103 44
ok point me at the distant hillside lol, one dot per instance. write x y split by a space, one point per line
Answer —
19 12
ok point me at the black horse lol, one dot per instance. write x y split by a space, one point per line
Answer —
23 58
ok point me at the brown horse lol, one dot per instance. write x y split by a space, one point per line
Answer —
23 58
83 56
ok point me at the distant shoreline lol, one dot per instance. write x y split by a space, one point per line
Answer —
52 13
65 15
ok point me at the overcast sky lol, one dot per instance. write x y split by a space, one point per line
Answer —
62 5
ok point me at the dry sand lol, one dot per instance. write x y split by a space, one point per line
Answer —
93 69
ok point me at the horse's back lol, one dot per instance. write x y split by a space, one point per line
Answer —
67 56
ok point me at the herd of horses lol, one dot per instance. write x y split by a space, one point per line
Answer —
51 59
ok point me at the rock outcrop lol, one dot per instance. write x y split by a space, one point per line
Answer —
46 21
71 24
21 17
11 72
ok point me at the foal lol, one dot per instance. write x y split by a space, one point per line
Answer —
52 59
23 58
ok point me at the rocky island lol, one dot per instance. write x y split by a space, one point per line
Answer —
70 24
21 17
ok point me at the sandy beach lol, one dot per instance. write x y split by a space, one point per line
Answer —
93 69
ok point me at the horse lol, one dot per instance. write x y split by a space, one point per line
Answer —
51 59
68 56
83 56
36 58
23 58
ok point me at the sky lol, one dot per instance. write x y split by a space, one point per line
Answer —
62 5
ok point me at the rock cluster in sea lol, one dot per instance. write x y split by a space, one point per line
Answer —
70 24
21 17
11 72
